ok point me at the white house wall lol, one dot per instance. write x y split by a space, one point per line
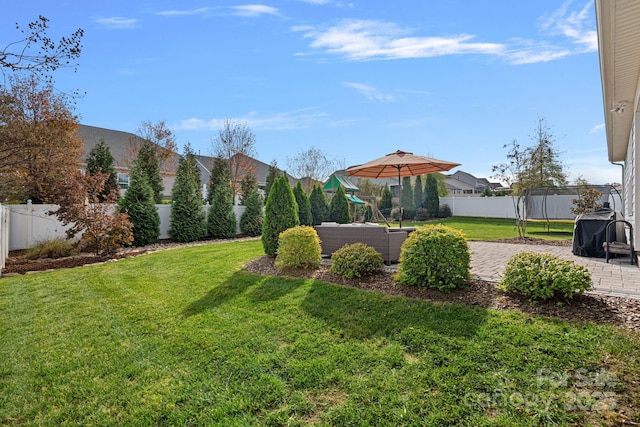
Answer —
631 186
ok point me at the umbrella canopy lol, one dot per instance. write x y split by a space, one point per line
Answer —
400 163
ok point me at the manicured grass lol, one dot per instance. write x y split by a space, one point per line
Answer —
184 337
476 228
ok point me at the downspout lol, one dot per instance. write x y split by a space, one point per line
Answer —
622 183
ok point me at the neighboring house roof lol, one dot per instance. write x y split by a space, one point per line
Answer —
455 184
121 145
259 169
618 24
465 181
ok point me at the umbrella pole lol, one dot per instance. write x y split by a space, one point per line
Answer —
400 197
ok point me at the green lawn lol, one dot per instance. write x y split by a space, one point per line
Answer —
184 337
476 228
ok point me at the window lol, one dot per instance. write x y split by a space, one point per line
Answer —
123 180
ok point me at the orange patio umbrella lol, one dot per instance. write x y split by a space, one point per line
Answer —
400 163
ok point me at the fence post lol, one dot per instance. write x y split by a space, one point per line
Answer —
4 236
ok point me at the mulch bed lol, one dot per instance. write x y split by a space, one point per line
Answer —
623 312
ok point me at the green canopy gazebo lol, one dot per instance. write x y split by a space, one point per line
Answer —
343 181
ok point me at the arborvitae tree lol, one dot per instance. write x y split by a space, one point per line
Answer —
319 205
252 218
281 213
147 162
386 202
339 208
138 203
418 192
188 221
408 205
221 219
248 184
304 205
431 199
272 175
219 175
100 160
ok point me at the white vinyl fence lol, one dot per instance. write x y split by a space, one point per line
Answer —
31 224
25 226
540 207
4 236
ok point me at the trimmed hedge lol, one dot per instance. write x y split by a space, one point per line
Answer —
299 247
435 256
545 276
356 260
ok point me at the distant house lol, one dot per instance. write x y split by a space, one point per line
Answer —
618 26
123 147
245 165
461 182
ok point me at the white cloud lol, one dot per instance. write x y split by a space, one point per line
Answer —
597 128
363 40
296 119
254 10
532 55
369 92
247 10
565 32
577 26
117 22
187 12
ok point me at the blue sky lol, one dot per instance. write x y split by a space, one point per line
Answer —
450 79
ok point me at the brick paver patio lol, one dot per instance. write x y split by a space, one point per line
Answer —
617 278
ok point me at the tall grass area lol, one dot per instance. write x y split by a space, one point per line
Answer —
476 228
185 337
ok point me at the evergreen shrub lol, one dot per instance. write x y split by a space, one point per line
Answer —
545 276
339 208
252 217
319 205
356 260
281 213
422 214
299 247
434 256
188 222
139 204
444 211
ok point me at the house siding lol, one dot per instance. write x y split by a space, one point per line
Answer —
630 185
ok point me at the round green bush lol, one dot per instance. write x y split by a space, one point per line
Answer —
444 211
545 276
434 256
356 260
298 247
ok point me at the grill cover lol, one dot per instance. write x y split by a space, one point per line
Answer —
589 232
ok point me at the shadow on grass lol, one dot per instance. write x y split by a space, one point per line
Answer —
231 288
259 289
364 314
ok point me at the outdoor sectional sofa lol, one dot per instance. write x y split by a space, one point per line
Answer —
333 236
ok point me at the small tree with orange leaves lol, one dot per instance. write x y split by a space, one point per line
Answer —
103 228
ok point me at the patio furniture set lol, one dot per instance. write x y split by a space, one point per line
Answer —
387 241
